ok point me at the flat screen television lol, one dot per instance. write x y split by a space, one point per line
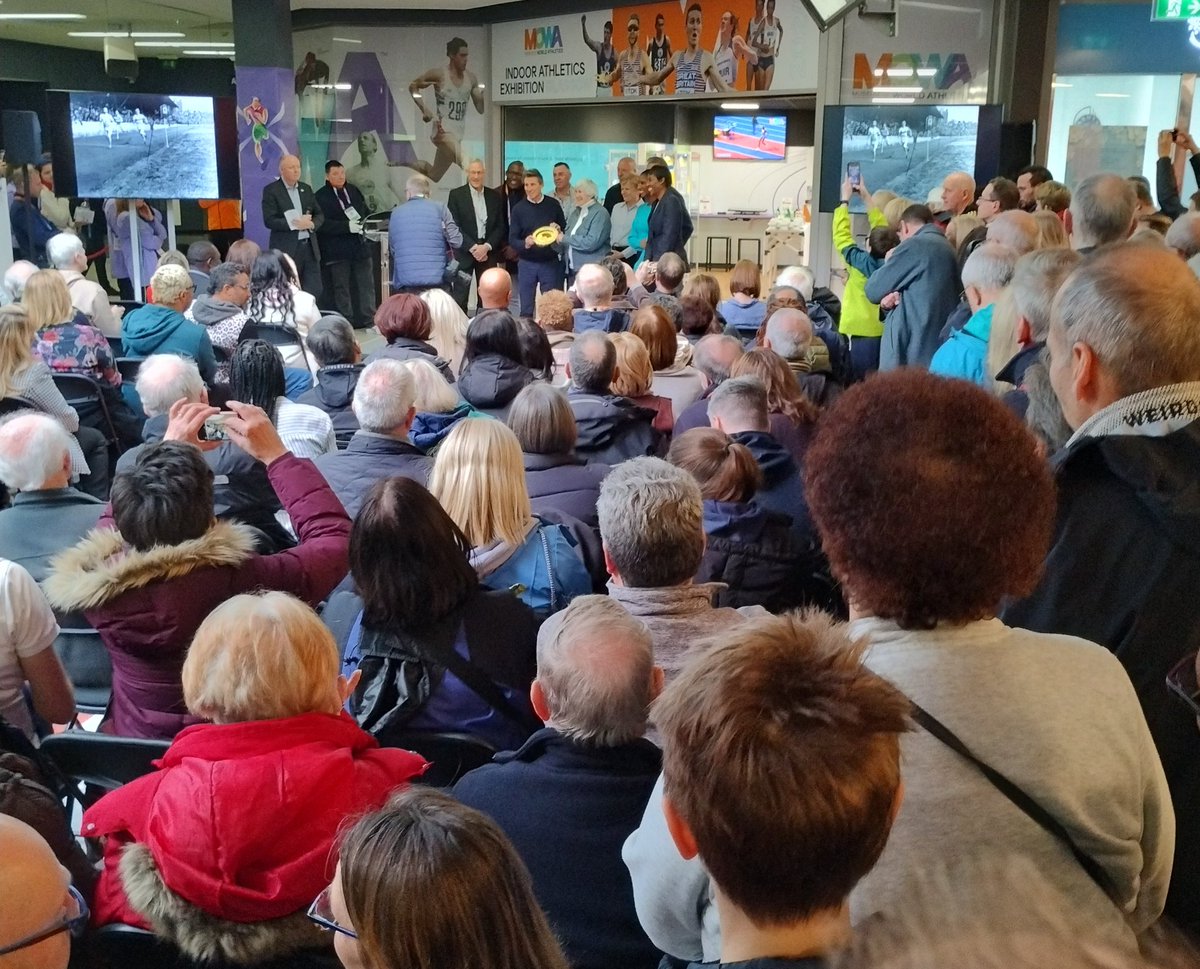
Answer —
907 149
749 137
134 145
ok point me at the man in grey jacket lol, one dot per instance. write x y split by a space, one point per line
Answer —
919 285
422 236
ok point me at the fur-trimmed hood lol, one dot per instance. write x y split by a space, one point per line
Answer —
102 566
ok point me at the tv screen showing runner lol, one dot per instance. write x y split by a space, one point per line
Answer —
749 137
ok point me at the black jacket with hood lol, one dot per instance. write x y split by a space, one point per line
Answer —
566 483
403 348
613 429
490 383
334 394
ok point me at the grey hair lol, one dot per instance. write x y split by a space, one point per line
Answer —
789 332
1183 236
990 267
593 360
595 664
223 275
669 305
594 284
330 340
741 403
1044 415
1016 229
33 449
1137 312
651 523
1035 280
708 361
418 185
164 378
799 278
63 249
383 396
15 278
588 187
1102 208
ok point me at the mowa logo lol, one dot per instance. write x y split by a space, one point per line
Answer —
908 70
542 39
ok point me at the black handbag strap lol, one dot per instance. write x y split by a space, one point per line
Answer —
1047 821
482 686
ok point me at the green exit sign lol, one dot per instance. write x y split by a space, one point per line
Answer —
1176 9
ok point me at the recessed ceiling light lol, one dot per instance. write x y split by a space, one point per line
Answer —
346 40
739 105
893 100
184 43
209 53
124 33
42 16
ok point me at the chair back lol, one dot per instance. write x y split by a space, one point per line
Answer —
86 661
117 945
101 761
128 368
278 335
450 755
10 405
82 391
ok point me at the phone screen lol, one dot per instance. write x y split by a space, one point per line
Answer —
854 173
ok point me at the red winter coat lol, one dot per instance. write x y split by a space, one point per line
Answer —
147 605
241 819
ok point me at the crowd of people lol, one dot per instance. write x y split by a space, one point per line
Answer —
791 629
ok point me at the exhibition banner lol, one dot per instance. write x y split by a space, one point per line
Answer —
266 109
656 50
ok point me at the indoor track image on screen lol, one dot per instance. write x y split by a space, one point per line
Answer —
908 150
749 137
144 146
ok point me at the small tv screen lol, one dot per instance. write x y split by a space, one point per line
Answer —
749 137
133 145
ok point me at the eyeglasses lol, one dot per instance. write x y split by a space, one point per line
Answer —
73 920
321 912
1182 682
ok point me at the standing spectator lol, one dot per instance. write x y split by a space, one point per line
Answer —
539 263
290 211
345 254
1028 179
987 271
670 226
478 211
223 220
1103 211
161 327
611 428
31 230
958 197
152 233
57 210
421 235
860 317
65 253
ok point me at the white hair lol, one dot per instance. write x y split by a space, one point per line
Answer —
990 267
789 332
448 331
799 278
588 187
594 284
383 396
33 449
418 185
1184 234
15 278
595 664
63 250
164 378
431 393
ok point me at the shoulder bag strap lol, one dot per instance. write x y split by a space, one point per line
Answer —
1020 798
554 605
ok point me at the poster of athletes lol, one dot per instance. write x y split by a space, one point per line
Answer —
397 101
686 48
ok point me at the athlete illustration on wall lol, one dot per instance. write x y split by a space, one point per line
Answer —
258 118
606 57
632 62
694 67
372 174
658 50
453 87
764 36
730 48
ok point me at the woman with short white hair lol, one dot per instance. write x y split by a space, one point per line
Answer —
438 407
587 235
448 326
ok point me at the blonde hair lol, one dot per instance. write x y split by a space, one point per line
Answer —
894 208
261 657
448 325
479 478
881 197
704 286
433 394
47 300
960 227
16 344
169 284
1002 341
1052 234
634 372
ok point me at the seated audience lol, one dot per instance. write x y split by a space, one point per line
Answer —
555 315
744 310
332 345
243 253
790 334
536 353
556 478
495 289
652 526
697 319
611 428
14 280
147 583
438 407
670 356
706 288
403 320
383 406
493 369
161 327
622 277
781 781
447 326
202 258
713 357
276 297
37 922
222 310
987 271
593 286
578 787
427 635
192 850
479 479
968 525
633 378
256 376
65 253
478 905
792 415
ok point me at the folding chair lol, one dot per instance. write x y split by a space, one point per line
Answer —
450 755
83 392
96 763
278 335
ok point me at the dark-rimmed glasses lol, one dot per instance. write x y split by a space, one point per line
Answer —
321 912
73 920
1182 682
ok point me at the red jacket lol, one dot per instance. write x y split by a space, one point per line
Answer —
242 819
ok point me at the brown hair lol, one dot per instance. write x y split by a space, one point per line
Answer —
654 328
242 253
703 286
746 278
1053 195
542 419
781 752
724 469
634 375
696 316
784 395
930 498
403 316
554 311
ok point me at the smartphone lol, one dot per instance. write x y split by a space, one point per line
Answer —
214 427
854 174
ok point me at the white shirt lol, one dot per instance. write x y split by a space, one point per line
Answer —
27 627
294 194
477 200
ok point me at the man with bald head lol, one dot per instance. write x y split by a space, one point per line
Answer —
958 196
612 198
789 332
1103 211
37 901
714 357
611 428
291 212
1124 565
1016 229
495 289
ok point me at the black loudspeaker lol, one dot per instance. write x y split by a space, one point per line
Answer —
22 137
1016 147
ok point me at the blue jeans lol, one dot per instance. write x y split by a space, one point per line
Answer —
864 356
530 273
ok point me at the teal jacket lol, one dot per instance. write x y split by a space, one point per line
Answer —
964 355
159 329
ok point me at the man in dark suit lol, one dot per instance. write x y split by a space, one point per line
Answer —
297 236
512 191
670 226
344 251
479 213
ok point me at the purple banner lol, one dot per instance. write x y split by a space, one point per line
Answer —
266 100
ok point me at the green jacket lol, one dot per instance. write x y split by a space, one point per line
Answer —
860 317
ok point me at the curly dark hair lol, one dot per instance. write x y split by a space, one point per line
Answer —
930 498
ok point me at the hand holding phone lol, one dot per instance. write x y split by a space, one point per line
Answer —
854 174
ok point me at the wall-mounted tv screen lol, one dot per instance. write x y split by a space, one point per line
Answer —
749 137
907 149
132 145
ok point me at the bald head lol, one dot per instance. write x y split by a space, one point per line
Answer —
1015 229
1103 211
958 192
593 362
788 333
715 355
28 862
594 286
289 169
495 289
